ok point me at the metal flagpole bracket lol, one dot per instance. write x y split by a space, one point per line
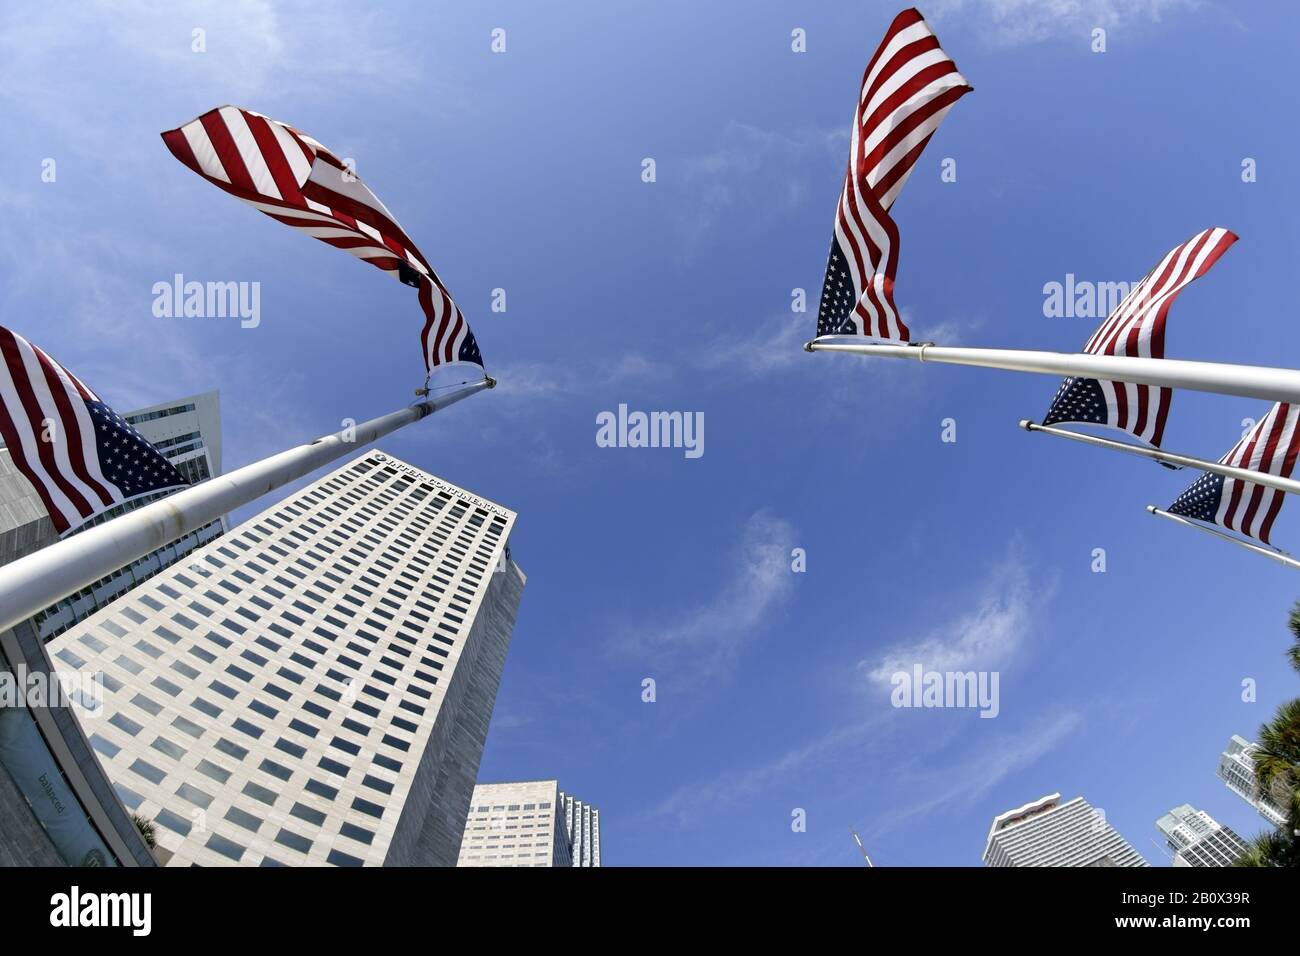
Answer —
1170 459
1280 556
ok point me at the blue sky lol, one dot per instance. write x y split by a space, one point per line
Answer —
522 171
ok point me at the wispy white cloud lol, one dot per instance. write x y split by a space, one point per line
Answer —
775 344
703 642
530 380
249 47
968 777
690 804
1000 616
986 637
749 162
1017 22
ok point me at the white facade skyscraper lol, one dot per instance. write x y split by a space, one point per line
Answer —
516 824
1048 832
187 431
315 686
1237 770
1197 839
583 823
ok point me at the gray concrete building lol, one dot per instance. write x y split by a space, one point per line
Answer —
314 687
1047 832
516 824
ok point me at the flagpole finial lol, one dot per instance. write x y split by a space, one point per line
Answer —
807 346
1026 424
491 382
1151 509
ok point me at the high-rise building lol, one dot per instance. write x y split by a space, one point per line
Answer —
314 687
1047 832
188 433
582 820
516 824
1197 839
1237 770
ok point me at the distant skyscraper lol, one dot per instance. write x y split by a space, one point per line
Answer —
1197 839
516 824
188 433
1048 832
1237 770
583 823
315 686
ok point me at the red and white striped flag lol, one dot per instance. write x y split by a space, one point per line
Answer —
291 177
1271 447
80 455
908 88
1136 328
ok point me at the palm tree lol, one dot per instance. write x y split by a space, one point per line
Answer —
1277 761
1277 771
146 828
1271 848
1293 652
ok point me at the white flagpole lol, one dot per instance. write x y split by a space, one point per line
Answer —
33 583
1249 546
1155 454
1250 381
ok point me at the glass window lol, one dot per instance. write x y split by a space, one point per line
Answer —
209 769
304 812
150 773
293 840
194 795
173 821
244 819
163 745
229 848
125 723
231 748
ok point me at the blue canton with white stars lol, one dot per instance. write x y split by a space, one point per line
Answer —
838 295
126 458
469 349
1201 501
1078 400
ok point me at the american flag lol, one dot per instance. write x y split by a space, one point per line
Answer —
1137 329
291 177
1270 447
80 455
908 87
